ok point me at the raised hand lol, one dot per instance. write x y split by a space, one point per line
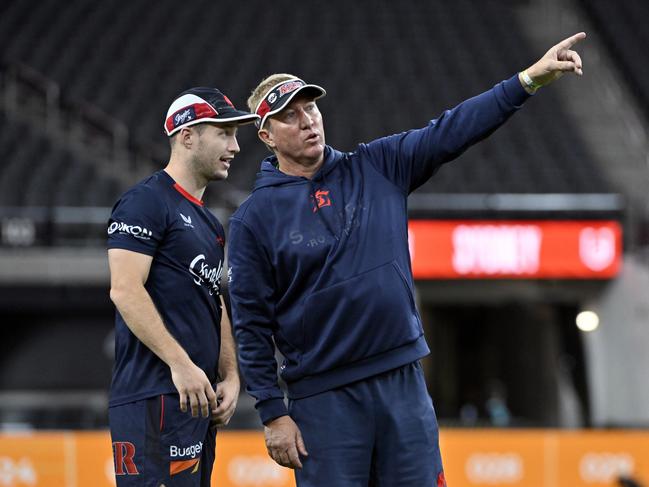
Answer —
558 60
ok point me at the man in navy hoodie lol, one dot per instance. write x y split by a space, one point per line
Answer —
320 269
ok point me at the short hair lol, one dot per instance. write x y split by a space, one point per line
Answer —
264 87
199 127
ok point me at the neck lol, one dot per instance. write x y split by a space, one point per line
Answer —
190 182
302 169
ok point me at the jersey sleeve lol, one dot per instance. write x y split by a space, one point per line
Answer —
253 320
409 159
137 222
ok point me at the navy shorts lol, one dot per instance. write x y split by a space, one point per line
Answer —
155 443
379 432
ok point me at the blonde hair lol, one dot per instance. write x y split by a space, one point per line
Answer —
264 87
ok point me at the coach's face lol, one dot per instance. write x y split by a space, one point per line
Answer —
296 134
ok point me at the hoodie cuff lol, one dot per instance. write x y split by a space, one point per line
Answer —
514 91
271 409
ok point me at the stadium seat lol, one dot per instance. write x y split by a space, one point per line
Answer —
131 65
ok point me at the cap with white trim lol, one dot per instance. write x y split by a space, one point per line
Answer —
200 105
281 94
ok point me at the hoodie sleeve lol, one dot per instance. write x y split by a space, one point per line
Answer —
251 293
409 159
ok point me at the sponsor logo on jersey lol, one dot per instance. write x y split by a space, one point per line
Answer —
187 458
206 275
136 231
186 451
124 453
178 466
187 220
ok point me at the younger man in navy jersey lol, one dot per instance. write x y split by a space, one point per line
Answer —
175 377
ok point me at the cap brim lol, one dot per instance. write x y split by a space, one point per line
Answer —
241 118
234 116
314 91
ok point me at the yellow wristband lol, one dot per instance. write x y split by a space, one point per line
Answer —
529 82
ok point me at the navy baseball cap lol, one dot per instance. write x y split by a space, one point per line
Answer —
281 94
200 105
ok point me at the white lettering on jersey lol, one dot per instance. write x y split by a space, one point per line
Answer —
187 451
204 274
136 231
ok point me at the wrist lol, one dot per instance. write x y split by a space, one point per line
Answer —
275 421
528 82
178 359
269 409
231 377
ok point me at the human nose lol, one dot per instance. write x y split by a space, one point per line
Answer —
234 145
306 120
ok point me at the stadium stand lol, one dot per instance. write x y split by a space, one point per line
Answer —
131 65
623 28
49 175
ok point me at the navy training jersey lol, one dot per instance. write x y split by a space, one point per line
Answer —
157 217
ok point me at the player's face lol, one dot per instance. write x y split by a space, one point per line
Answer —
217 145
298 133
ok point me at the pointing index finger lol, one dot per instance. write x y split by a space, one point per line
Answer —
572 40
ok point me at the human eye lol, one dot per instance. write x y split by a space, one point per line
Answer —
227 131
289 115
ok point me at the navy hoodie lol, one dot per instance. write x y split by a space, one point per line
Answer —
320 267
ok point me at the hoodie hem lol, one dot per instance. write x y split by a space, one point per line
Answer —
326 381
